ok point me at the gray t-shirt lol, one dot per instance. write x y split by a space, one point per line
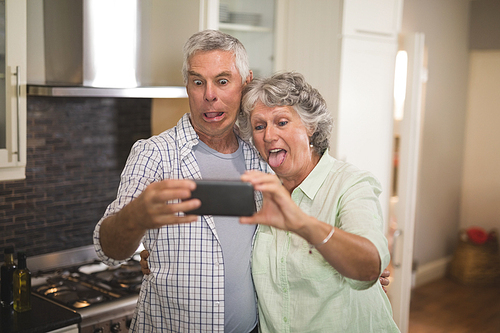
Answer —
240 308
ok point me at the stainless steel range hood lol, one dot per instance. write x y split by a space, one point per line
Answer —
80 91
108 48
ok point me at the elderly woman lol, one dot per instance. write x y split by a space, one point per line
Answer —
319 247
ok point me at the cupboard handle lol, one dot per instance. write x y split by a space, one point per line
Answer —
18 103
395 237
374 33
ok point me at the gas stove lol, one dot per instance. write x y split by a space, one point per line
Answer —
104 296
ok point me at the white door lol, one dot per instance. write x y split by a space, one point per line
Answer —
363 128
408 129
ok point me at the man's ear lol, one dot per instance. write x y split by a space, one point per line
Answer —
249 78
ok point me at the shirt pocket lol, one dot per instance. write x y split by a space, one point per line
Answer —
261 255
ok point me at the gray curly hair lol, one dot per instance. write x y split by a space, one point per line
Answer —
211 40
288 89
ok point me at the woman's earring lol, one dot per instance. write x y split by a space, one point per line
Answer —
311 145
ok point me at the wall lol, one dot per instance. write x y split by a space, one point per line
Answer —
445 25
166 112
480 204
484 33
481 179
76 150
166 25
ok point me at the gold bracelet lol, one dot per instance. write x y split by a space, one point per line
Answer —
311 246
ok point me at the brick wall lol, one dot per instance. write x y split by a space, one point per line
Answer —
76 150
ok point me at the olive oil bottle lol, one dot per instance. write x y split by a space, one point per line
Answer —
22 285
7 274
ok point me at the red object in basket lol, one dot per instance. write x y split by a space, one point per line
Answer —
477 235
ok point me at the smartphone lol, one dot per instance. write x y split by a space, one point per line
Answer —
224 198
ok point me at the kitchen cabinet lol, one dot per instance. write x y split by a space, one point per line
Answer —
167 24
252 22
12 89
368 18
347 50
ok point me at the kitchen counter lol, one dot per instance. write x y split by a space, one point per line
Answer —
44 316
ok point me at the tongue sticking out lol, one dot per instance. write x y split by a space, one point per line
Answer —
213 114
276 158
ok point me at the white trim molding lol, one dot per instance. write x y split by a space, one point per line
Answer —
431 271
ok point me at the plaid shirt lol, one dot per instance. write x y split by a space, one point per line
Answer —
185 290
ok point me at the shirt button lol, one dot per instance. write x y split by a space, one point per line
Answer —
282 260
217 303
285 319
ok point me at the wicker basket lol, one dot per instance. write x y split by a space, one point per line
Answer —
475 264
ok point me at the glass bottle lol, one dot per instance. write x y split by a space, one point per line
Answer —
22 285
7 274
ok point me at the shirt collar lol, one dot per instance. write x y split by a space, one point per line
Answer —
311 185
188 134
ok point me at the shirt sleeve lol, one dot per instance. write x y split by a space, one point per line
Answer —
141 169
360 213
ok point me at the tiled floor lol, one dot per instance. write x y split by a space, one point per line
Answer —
445 306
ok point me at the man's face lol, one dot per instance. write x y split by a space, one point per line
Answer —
214 88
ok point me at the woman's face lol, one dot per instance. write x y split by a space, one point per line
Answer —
283 141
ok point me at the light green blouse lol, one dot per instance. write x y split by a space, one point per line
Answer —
300 292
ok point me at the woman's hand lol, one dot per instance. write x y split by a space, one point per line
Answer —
384 279
278 209
144 262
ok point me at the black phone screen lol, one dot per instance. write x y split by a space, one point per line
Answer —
224 198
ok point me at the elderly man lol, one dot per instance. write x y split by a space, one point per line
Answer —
200 277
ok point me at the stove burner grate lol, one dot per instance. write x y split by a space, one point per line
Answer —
76 289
